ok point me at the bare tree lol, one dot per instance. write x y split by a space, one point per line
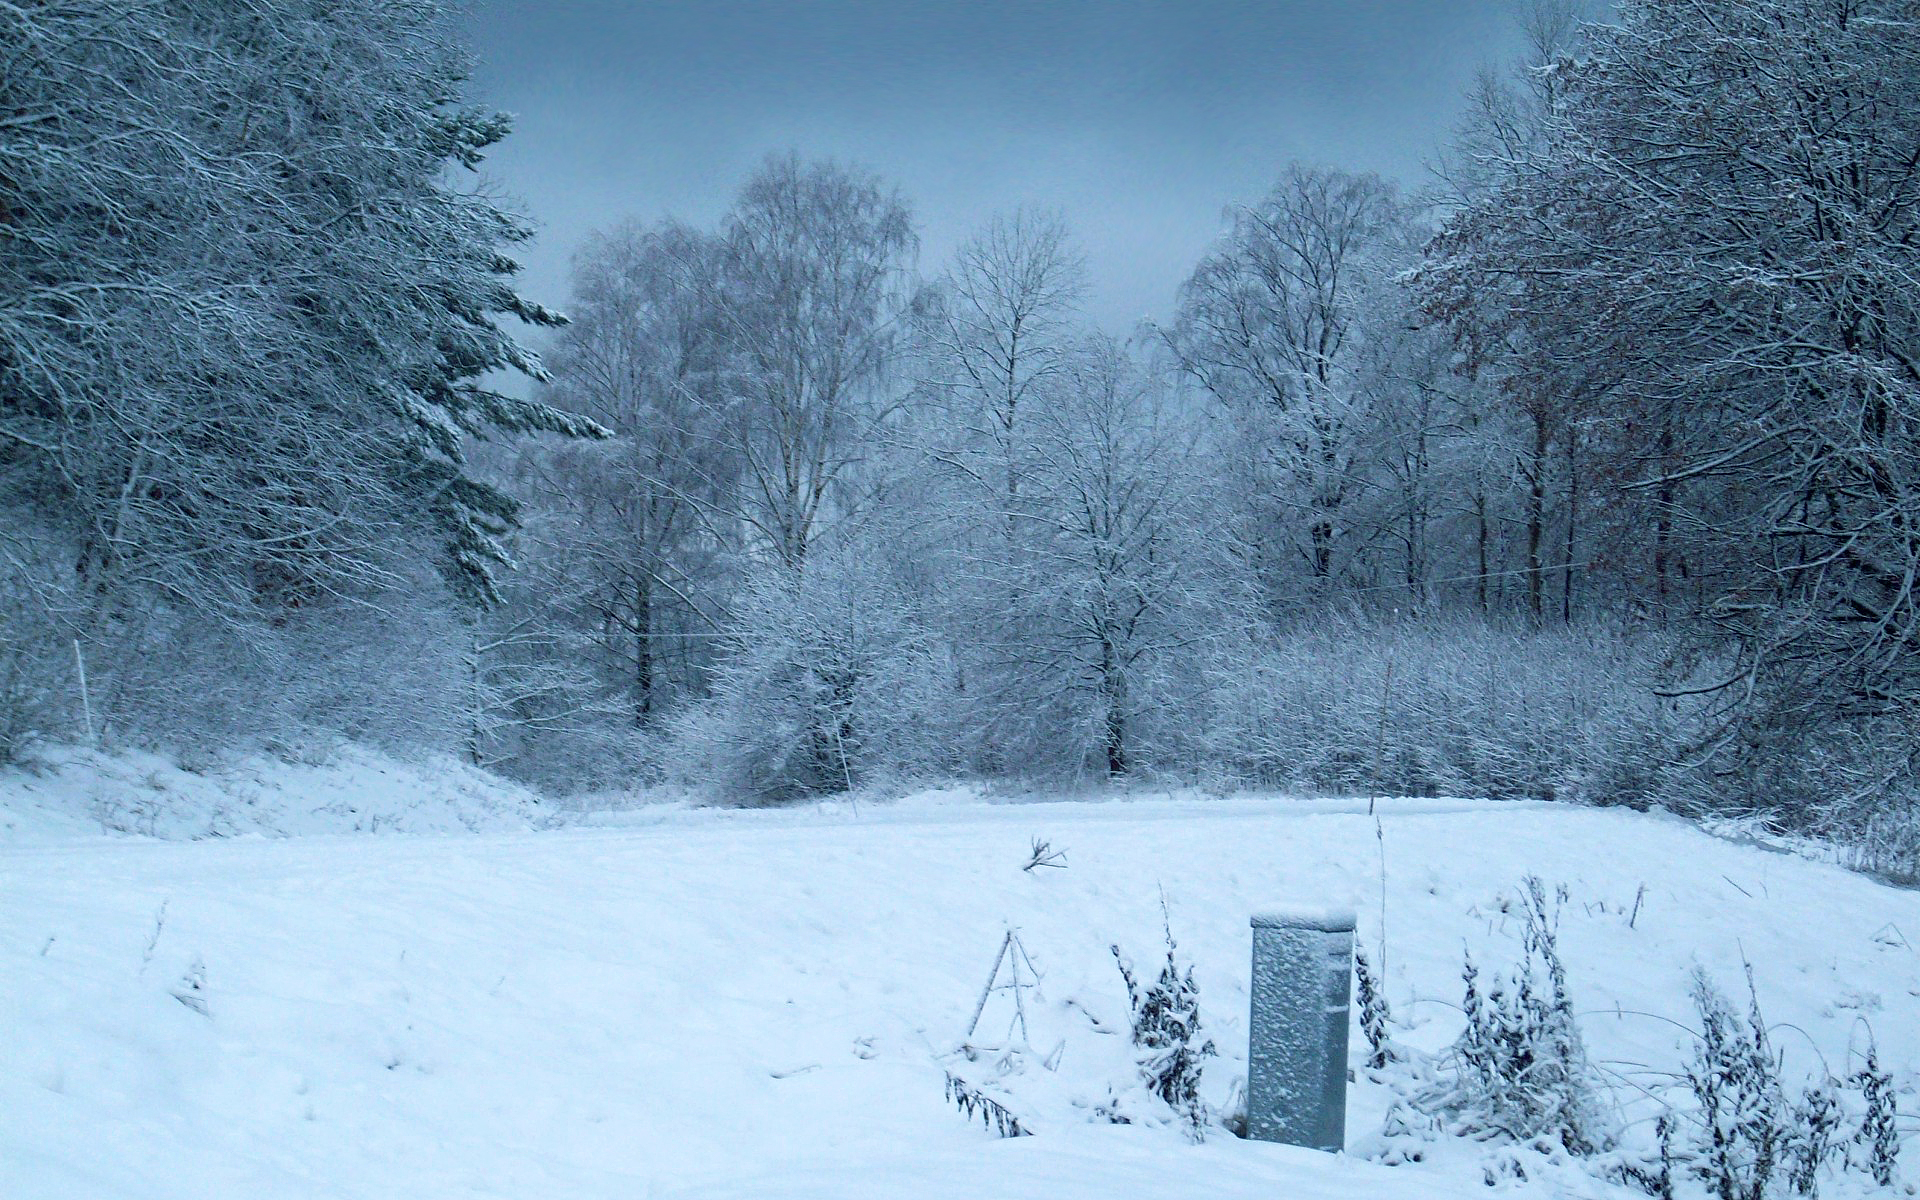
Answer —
644 512
1274 323
999 337
1129 574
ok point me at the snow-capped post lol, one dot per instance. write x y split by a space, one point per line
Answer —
1297 1035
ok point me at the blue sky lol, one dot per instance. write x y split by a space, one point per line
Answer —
1141 121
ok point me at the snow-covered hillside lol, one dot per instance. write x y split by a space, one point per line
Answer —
756 1004
70 792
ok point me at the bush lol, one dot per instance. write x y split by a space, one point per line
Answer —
1520 1068
39 685
1375 1013
1744 1123
1166 1036
1744 1138
1471 708
834 682
30 696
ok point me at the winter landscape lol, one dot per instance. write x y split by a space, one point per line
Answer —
764 627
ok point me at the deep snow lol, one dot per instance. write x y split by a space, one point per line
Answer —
677 1002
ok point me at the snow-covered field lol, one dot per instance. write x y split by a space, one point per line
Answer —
676 1002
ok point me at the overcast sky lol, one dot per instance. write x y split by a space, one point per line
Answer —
1140 120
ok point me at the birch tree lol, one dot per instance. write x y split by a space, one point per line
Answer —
811 304
999 330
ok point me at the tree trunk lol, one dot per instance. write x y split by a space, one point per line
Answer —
1480 546
1663 516
1113 690
643 667
1573 522
476 701
1536 519
1417 519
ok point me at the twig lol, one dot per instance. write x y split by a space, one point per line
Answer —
1373 794
153 939
988 990
1044 855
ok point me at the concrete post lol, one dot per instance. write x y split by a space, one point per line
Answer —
1297 1052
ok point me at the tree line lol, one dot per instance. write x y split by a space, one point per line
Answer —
1585 471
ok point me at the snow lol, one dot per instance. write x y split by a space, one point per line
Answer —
69 792
681 1002
1329 918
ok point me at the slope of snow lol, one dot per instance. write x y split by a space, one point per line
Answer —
70 792
730 1005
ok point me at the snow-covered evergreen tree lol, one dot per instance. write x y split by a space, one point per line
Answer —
249 309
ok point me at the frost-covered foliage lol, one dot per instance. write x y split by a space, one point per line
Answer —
1090 620
1746 1138
1878 1141
835 681
1683 255
247 315
39 673
1450 706
1520 1069
1167 1038
1393 502
1733 1121
1376 1013
1745 1127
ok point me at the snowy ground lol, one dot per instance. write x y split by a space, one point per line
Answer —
686 1003
69 792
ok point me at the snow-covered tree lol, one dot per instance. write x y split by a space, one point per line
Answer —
1275 325
1127 576
999 337
1714 234
646 512
810 303
246 307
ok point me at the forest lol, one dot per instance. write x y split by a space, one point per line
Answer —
1587 470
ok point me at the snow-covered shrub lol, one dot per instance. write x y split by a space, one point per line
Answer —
1375 1013
834 681
388 676
1745 1138
1877 1143
1520 1068
1447 705
1878 834
1743 1132
1166 1036
39 684
29 704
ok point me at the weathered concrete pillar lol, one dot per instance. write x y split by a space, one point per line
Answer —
1297 1052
